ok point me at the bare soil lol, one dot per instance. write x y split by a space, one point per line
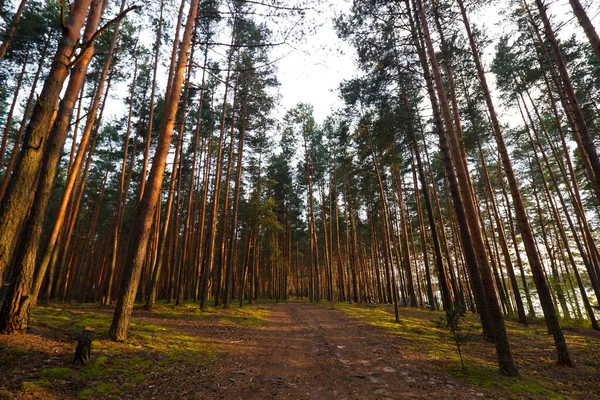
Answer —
310 352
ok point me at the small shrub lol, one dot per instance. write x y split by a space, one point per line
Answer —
454 324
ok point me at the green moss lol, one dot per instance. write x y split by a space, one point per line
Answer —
100 389
103 388
151 345
85 393
44 383
58 373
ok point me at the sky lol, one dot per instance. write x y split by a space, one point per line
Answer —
312 69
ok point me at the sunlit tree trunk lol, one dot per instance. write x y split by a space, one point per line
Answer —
145 211
75 169
20 294
20 189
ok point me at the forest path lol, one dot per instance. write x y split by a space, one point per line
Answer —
308 351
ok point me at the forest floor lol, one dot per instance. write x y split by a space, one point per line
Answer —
290 350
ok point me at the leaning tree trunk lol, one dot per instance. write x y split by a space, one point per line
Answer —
12 28
522 219
587 26
523 224
461 218
20 190
77 163
503 351
20 294
573 107
145 211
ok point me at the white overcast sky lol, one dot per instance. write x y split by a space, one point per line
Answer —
313 72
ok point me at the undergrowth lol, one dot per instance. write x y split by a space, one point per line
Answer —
161 344
532 349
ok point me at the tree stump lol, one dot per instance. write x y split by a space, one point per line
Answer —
84 347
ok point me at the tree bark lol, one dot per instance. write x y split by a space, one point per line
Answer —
21 295
587 26
145 211
20 190
505 360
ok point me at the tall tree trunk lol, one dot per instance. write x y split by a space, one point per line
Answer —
20 294
471 256
232 255
405 246
505 360
212 228
587 26
443 282
19 194
223 251
145 211
573 108
386 243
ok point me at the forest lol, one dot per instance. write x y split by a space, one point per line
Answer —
155 194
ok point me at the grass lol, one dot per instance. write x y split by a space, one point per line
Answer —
532 349
161 344
249 315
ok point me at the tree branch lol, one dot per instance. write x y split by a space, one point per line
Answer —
118 18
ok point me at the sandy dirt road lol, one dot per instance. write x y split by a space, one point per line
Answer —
311 352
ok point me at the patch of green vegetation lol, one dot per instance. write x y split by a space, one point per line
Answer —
486 376
44 383
58 373
250 315
9 356
75 318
